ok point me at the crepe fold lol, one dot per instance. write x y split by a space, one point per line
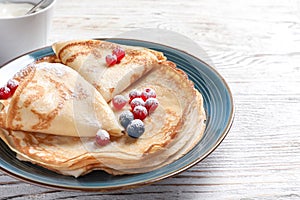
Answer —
87 57
175 127
54 99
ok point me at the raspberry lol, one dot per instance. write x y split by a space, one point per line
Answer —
12 85
102 137
140 112
119 102
111 60
137 102
119 53
148 93
5 92
151 104
134 94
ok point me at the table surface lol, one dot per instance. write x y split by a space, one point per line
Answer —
255 45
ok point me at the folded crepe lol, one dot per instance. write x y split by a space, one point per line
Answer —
171 131
88 58
54 99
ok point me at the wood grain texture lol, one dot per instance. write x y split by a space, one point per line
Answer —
255 45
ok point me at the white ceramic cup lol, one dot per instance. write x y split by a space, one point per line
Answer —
25 33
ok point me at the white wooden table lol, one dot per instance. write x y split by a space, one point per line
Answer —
255 45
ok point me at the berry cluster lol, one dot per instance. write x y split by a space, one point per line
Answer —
8 90
117 55
142 104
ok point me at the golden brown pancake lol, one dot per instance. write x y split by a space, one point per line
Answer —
54 99
172 130
88 58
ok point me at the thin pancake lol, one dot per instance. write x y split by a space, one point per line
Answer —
46 102
171 131
88 58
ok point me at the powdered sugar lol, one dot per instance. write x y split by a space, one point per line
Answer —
57 68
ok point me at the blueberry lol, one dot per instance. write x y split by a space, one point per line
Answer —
135 128
125 118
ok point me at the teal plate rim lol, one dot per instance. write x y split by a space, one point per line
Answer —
218 105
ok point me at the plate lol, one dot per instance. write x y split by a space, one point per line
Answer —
218 105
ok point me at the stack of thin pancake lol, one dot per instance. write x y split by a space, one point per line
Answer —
53 117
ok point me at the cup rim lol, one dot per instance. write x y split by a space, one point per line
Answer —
32 14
